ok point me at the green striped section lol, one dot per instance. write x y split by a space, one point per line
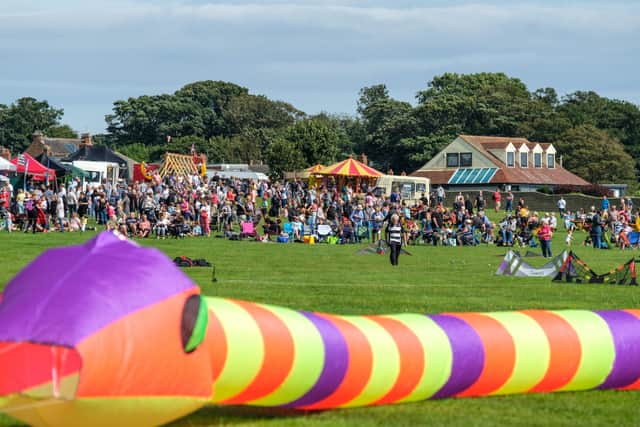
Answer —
308 359
532 351
437 354
386 361
598 349
245 348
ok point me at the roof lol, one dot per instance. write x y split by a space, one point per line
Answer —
545 176
62 147
52 163
503 175
350 167
32 167
96 153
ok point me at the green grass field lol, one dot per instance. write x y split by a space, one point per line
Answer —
336 279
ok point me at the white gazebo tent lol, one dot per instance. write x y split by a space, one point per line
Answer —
6 165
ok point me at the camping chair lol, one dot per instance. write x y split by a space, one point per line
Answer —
362 232
324 231
248 229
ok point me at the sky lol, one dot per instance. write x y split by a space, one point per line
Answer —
82 55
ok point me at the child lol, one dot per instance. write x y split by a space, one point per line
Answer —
569 238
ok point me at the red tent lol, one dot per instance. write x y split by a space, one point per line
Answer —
34 168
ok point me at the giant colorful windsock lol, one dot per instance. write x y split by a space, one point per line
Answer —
109 333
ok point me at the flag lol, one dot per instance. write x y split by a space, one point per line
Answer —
21 160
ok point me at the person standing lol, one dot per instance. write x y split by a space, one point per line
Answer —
544 234
562 206
509 205
497 198
480 201
60 213
394 233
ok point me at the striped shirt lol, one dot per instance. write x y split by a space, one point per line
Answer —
395 233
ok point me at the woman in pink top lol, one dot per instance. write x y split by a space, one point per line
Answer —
544 234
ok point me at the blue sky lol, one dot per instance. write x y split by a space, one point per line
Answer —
83 55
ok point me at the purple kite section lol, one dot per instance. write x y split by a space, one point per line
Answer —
625 329
468 354
67 294
336 362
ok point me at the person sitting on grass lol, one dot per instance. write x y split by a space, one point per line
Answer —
131 225
75 224
144 227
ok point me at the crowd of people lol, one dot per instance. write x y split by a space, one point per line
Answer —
291 211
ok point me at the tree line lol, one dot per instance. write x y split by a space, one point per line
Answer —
598 137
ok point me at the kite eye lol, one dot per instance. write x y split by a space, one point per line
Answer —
194 323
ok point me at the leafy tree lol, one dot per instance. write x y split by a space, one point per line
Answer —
61 131
247 112
596 156
19 120
317 138
137 151
283 155
620 119
387 122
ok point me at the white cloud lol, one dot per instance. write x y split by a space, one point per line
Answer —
298 50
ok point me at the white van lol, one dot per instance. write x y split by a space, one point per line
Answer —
98 171
409 187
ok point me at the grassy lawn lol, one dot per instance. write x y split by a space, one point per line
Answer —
336 279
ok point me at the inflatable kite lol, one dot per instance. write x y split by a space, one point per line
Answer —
109 333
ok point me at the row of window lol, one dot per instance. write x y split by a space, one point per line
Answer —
524 160
465 160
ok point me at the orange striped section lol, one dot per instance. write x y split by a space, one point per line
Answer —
278 357
217 345
635 385
565 350
499 354
360 365
411 359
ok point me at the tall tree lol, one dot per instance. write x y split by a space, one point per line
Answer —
596 156
19 120
387 123
62 131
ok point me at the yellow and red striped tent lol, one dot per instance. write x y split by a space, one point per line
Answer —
350 167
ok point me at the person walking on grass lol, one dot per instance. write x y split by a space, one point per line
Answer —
394 233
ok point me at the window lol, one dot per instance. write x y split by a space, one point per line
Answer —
551 161
452 160
537 160
524 160
406 189
511 159
466 159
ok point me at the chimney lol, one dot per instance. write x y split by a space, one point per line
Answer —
38 137
85 139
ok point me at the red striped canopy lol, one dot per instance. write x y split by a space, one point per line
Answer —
350 167
32 167
314 169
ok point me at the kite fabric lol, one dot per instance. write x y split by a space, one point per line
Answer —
514 265
109 333
573 269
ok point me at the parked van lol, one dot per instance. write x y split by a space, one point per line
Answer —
409 187
98 171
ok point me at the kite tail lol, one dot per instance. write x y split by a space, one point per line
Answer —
270 356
